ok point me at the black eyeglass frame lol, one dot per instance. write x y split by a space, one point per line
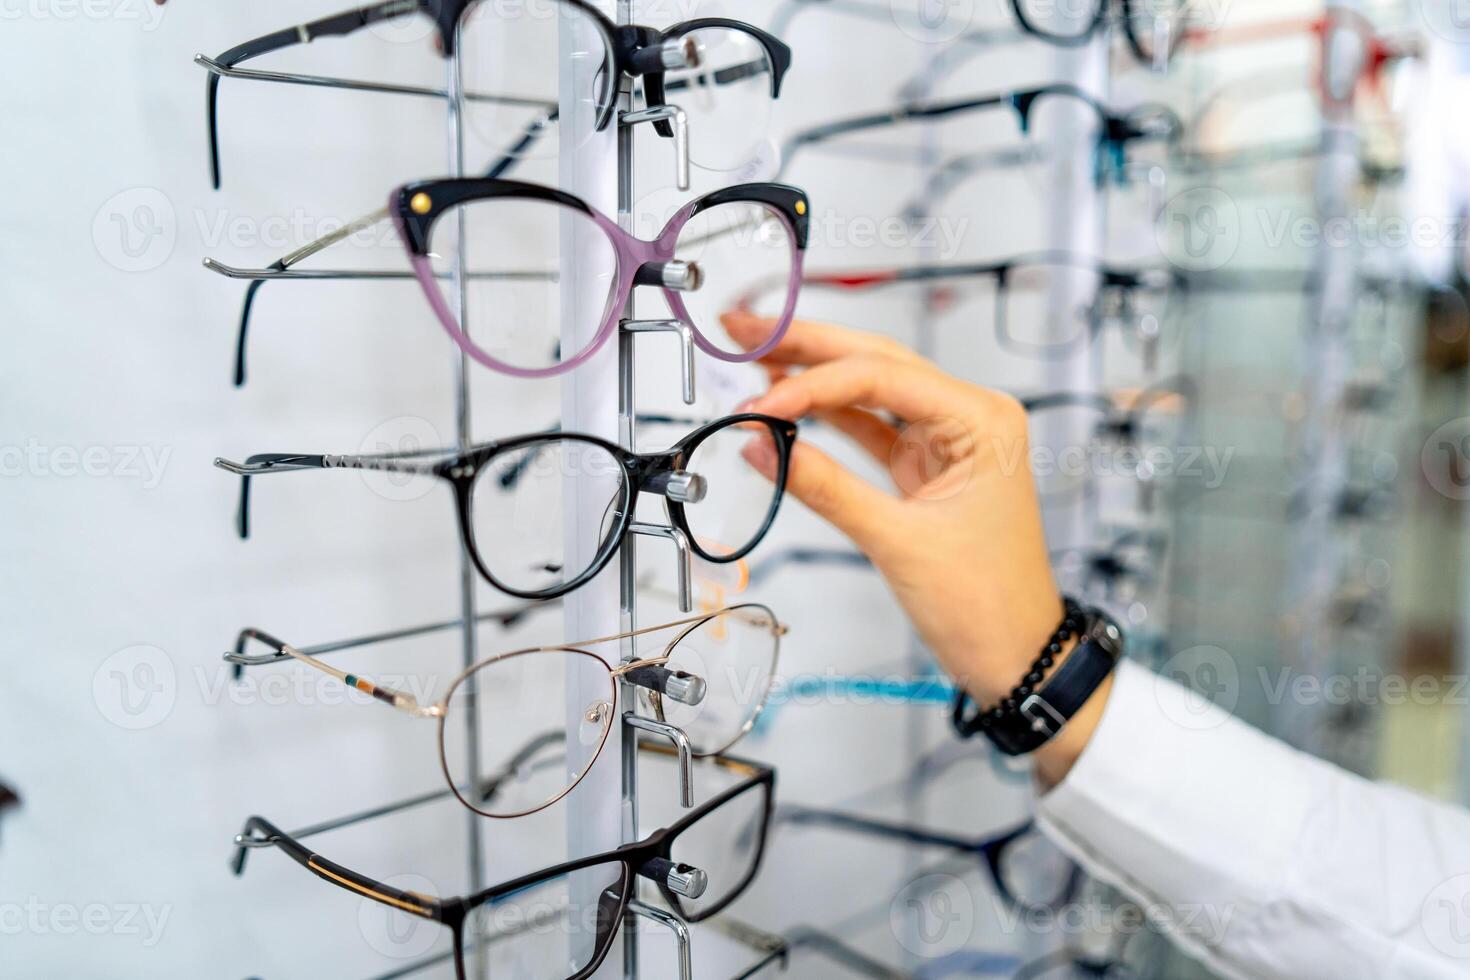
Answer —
633 50
649 858
1113 283
1135 45
641 472
991 850
1115 132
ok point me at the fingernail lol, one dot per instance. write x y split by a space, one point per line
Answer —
747 406
761 454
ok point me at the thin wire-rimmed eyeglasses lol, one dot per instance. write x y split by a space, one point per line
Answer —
513 236
563 919
703 57
509 493
711 679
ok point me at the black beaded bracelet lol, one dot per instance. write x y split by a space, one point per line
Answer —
1074 620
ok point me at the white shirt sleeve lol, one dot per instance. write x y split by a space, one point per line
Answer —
1261 861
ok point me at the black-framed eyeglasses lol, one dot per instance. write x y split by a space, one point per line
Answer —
1142 302
1027 870
1119 571
1152 28
563 920
508 495
1128 433
707 56
1054 123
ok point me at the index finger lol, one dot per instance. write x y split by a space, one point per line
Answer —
911 390
808 342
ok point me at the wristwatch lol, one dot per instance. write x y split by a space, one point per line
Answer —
1036 718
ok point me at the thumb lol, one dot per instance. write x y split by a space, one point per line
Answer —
854 506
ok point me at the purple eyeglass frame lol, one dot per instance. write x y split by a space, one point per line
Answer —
417 206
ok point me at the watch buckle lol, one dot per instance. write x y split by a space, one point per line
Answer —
1044 719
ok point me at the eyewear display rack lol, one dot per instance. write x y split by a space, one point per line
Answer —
1318 549
599 399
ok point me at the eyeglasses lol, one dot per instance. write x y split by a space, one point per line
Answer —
1027 870
562 921
779 950
772 563
1150 26
1055 122
509 497
1120 571
1135 434
710 680
513 237
1272 117
730 70
1352 53
1028 321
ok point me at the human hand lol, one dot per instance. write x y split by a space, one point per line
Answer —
961 541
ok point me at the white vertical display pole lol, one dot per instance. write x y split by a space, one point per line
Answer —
588 168
1075 217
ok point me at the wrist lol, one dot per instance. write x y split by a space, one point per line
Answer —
1000 675
1056 688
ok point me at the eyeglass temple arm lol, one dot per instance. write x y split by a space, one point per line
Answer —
267 463
260 832
505 618
337 25
764 569
868 825
869 278
835 949
397 699
277 269
903 113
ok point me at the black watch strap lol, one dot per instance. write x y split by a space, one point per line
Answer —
1042 714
